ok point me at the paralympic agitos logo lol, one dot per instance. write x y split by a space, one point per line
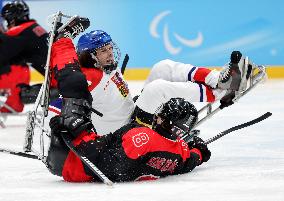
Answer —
166 38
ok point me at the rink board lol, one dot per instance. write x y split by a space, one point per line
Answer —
274 72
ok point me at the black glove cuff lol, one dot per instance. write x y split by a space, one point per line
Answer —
72 106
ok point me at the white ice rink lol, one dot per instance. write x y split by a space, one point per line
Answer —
247 165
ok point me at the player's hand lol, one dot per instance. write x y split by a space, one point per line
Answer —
74 117
73 124
199 144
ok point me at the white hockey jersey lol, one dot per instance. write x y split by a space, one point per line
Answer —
111 97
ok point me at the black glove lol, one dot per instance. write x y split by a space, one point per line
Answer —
74 117
198 143
236 57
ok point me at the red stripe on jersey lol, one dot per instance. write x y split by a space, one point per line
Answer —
14 31
209 94
93 76
54 110
63 52
140 141
201 74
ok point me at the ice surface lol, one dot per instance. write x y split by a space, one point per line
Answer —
245 165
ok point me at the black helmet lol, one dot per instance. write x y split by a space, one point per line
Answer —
15 12
177 118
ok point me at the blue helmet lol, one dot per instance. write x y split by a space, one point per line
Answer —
89 43
92 41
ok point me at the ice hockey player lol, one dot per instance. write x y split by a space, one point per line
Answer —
24 42
99 56
134 152
76 107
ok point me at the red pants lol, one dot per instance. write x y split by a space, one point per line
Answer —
62 53
9 81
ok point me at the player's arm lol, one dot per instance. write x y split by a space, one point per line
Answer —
10 47
73 86
199 153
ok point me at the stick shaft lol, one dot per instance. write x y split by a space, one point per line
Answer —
249 123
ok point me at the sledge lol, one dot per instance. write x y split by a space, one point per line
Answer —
256 74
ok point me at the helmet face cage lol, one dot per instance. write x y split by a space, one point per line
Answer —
15 11
95 40
116 56
177 117
184 126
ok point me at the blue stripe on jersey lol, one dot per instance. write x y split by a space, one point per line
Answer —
57 103
201 92
190 73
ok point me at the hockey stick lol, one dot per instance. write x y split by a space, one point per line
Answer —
96 112
19 153
68 141
124 63
249 123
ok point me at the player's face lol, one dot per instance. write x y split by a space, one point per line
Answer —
105 55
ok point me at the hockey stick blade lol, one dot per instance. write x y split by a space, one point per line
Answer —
68 141
19 153
249 123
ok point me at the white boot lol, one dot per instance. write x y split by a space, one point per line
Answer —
236 75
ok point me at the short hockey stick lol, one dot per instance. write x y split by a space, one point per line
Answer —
249 123
68 141
19 153
124 63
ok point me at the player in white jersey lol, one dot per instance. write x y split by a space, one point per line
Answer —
168 79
